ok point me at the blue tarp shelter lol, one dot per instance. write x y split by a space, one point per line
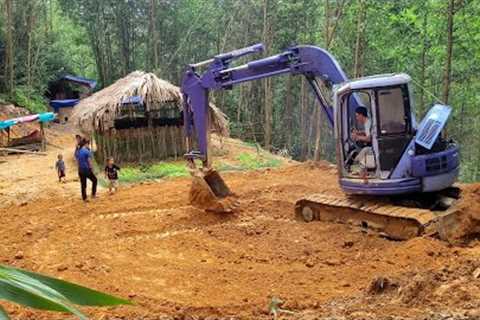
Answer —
66 103
80 80
68 99
35 137
40 117
132 100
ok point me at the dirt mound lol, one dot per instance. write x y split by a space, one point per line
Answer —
203 196
450 286
10 111
465 225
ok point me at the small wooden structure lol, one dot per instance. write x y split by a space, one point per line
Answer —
34 141
65 92
138 118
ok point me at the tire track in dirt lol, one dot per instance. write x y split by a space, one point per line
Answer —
183 220
156 213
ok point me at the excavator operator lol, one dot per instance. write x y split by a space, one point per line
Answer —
363 138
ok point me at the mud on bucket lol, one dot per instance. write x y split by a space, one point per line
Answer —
209 192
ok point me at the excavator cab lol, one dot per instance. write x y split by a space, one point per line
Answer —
376 125
380 150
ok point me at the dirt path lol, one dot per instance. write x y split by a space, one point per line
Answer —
147 244
25 178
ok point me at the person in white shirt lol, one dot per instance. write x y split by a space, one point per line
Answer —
364 139
361 116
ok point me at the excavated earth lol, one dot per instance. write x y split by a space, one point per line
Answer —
173 261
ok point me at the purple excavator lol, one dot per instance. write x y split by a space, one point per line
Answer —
397 182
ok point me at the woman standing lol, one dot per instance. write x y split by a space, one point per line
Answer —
85 169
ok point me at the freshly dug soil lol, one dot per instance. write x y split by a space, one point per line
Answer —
146 243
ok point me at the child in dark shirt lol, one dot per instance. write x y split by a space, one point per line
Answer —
111 173
60 166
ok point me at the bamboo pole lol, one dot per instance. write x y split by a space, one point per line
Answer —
173 142
42 132
13 150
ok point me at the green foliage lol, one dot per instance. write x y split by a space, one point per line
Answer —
255 161
97 39
29 99
152 172
41 292
250 161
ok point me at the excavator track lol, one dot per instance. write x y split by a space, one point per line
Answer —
375 215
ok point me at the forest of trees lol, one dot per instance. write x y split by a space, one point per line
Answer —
437 42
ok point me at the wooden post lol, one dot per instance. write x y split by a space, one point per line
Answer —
173 141
127 146
152 143
161 146
42 132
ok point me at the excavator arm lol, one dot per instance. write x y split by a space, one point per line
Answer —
316 64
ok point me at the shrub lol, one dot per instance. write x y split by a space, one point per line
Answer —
29 100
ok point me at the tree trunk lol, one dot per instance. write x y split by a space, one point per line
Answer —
9 50
448 62
423 65
330 30
318 137
360 40
268 94
288 119
29 27
124 36
153 37
303 120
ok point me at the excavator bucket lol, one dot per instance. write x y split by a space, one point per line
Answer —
209 192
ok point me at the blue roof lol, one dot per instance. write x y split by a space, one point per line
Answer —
67 103
132 100
80 80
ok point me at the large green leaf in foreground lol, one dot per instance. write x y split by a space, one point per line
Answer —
42 292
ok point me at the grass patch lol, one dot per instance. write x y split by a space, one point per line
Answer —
132 174
250 144
249 161
152 172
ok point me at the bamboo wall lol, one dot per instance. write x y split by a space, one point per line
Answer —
140 144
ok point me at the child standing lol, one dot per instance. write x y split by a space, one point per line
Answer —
60 166
111 173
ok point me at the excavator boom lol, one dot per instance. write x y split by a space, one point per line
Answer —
312 62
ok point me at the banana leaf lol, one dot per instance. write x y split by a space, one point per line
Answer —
3 314
46 293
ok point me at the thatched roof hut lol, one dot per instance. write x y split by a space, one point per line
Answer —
138 118
98 112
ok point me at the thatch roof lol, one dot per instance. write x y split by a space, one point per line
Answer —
98 111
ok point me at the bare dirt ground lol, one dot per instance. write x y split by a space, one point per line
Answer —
25 178
176 262
173 261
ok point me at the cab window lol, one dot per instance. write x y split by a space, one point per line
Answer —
392 110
